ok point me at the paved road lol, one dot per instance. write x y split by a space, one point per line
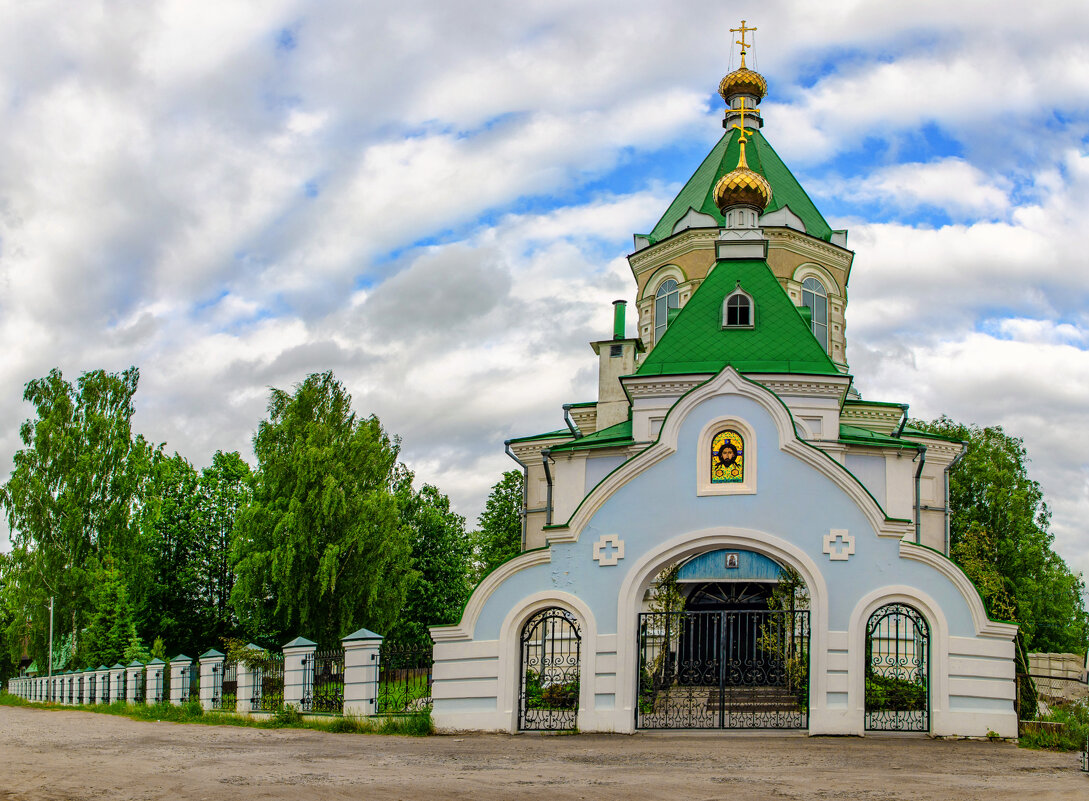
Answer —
82 755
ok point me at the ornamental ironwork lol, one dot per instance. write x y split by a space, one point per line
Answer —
139 690
106 689
268 685
404 678
225 686
323 682
745 669
551 645
897 670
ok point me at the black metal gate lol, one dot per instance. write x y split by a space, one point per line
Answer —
225 686
723 670
897 670
551 651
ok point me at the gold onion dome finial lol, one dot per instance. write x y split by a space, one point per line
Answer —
742 186
743 81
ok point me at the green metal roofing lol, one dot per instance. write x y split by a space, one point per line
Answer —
855 435
613 436
559 434
911 431
778 342
698 193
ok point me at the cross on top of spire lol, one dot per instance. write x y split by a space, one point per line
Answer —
741 110
744 45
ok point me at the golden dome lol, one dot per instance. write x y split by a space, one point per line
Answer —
742 187
743 82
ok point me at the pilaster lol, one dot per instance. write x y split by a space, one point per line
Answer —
361 655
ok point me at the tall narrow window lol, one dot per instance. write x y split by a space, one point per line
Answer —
667 297
727 457
815 297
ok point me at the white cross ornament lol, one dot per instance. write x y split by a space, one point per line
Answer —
839 552
608 550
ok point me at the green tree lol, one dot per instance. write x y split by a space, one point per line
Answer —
111 633
999 535
71 498
321 550
440 557
226 487
171 520
500 524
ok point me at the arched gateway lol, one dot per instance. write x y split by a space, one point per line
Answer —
727 442
724 642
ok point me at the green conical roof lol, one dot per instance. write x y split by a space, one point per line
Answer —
779 341
698 193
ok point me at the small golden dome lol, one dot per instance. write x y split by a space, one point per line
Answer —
742 187
743 82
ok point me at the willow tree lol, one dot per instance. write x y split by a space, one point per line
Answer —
321 550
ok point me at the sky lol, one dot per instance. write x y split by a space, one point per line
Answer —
435 200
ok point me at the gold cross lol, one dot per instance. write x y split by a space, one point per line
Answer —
742 30
741 109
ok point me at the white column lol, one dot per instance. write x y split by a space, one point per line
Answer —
104 690
179 678
361 651
211 665
246 694
298 654
156 679
134 670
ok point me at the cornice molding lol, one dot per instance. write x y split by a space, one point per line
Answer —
809 247
655 256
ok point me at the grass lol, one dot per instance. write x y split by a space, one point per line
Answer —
415 725
1068 736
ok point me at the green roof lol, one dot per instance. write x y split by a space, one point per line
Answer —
911 431
698 193
558 434
778 342
855 435
611 437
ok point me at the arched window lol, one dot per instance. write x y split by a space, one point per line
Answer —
737 310
727 457
815 297
667 297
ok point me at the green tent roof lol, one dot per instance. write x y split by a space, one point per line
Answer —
779 341
785 189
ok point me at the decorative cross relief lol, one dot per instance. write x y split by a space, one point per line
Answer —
843 551
608 550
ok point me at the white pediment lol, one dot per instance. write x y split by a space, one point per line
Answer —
783 218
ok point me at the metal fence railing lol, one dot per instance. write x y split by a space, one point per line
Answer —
404 678
268 685
323 682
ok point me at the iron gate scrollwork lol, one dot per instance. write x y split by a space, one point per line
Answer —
225 686
551 646
725 669
323 682
897 670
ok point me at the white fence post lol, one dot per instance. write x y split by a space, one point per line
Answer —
361 651
135 669
156 681
211 664
179 678
297 655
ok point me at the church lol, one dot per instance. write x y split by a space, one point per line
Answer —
730 536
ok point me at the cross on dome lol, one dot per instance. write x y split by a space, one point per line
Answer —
744 46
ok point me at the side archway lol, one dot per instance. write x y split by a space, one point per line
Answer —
897 669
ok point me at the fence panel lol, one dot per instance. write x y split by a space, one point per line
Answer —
323 682
404 678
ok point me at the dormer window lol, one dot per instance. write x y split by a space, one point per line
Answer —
738 310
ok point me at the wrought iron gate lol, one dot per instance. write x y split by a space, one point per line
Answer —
549 698
728 670
897 670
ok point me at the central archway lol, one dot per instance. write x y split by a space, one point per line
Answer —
724 642
799 639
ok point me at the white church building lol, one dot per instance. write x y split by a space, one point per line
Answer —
730 536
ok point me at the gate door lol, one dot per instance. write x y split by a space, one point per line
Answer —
730 670
549 698
897 670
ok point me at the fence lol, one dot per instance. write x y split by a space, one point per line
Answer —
383 679
404 678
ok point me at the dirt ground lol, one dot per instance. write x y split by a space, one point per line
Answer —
83 755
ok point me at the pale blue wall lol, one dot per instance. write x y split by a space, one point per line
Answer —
793 502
